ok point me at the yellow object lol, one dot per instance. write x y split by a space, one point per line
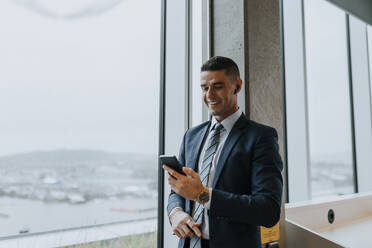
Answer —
270 234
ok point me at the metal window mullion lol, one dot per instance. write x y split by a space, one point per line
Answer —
361 104
160 225
285 159
369 51
188 69
352 124
369 63
308 158
206 43
296 103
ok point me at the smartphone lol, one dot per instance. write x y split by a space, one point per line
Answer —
172 162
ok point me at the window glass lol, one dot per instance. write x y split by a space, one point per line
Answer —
329 115
176 117
79 89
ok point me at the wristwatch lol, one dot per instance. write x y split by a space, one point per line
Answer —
203 196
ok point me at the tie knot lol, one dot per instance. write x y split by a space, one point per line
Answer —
218 127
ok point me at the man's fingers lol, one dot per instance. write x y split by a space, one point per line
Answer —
168 169
172 172
171 179
196 230
181 232
194 227
190 172
172 182
174 187
172 176
177 233
187 230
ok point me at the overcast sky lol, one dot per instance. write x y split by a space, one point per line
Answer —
93 82
86 83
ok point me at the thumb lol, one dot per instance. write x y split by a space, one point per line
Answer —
189 172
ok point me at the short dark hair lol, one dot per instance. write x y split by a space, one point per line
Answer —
218 63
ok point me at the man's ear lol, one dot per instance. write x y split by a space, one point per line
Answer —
238 86
236 89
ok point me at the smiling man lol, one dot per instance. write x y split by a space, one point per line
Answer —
233 184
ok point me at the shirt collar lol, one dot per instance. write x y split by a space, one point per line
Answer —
229 121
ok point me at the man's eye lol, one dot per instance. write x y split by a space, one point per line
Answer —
204 89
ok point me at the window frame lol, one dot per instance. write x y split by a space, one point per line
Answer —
295 105
361 89
171 133
295 111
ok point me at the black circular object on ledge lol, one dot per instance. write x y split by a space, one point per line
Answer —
331 216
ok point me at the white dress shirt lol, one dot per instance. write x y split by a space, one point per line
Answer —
228 124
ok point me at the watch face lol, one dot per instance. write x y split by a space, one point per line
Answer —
204 197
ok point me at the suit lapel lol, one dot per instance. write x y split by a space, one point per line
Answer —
230 142
196 146
195 151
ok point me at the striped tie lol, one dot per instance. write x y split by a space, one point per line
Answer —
213 142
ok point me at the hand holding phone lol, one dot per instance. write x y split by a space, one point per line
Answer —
172 162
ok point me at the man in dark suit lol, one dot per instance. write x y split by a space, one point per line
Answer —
233 183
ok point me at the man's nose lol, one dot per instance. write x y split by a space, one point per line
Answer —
210 92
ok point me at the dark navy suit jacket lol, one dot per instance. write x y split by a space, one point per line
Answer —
247 186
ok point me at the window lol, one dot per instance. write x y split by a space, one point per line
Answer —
79 106
327 108
176 92
184 53
329 114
